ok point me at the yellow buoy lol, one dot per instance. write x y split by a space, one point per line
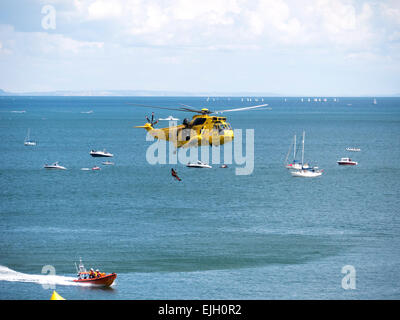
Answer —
56 296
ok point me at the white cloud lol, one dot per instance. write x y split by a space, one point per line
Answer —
367 57
230 22
340 23
56 43
103 9
42 43
391 11
343 25
213 12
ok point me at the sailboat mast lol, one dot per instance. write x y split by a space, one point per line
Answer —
302 154
294 148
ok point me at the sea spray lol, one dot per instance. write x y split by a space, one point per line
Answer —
7 274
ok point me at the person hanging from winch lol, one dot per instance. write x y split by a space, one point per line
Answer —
175 175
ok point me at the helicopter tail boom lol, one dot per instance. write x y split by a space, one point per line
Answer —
147 126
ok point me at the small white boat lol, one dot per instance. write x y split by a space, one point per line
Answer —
87 112
198 164
353 149
103 153
55 165
85 169
28 141
108 163
307 173
170 118
346 161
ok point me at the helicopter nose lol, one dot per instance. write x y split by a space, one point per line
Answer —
228 135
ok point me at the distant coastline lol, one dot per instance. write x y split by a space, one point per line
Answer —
138 93
166 93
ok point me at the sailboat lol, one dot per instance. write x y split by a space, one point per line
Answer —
27 141
374 102
295 164
306 172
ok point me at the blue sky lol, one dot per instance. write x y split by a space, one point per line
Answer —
288 47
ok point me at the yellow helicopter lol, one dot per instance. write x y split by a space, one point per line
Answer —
203 129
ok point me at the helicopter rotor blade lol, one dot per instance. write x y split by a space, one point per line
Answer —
185 109
241 109
165 108
186 105
190 109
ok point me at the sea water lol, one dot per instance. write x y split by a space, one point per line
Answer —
215 234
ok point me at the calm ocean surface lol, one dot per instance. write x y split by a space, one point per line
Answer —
215 235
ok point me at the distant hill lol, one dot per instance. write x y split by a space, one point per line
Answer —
138 93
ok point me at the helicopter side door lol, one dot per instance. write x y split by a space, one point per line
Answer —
215 136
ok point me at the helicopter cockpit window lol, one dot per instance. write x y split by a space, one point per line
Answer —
199 121
221 128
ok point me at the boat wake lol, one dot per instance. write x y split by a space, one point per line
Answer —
7 274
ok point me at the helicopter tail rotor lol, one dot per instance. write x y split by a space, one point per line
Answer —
153 122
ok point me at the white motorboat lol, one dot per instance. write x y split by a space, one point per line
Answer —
353 149
108 163
346 161
29 142
55 165
170 118
198 164
103 153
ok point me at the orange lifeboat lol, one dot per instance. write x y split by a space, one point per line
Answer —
96 278
104 280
